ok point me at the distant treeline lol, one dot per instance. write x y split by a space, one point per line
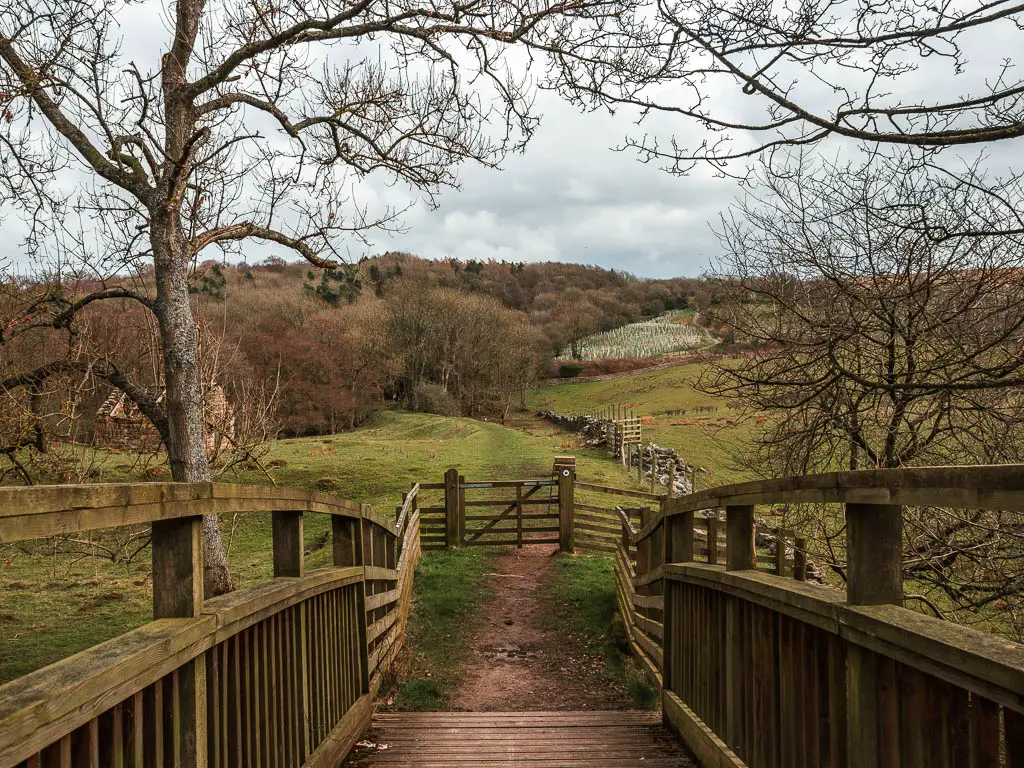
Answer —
317 351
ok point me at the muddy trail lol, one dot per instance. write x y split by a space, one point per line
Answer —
521 657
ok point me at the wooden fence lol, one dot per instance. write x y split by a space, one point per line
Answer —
768 672
598 526
279 674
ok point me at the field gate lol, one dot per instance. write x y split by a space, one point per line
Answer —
502 512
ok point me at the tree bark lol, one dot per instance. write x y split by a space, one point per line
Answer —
186 445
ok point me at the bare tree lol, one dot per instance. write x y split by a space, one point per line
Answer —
889 334
247 122
752 76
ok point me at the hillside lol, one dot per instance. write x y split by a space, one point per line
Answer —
292 351
702 429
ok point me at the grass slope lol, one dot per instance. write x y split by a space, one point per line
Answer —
709 439
54 605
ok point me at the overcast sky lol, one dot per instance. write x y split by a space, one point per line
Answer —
571 197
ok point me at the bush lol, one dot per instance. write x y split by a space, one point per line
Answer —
432 398
570 370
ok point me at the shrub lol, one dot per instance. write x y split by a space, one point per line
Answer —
570 370
432 398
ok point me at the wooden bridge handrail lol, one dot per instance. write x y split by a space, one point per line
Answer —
37 512
42 706
626 521
316 639
978 661
963 487
742 650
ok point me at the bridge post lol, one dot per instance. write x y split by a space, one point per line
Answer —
874 547
874 576
451 508
678 538
461 496
286 532
178 594
678 533
347 541
800 558
740 555
565 471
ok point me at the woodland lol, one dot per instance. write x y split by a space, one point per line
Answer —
302 352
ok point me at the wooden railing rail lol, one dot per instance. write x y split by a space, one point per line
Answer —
768 672
282 673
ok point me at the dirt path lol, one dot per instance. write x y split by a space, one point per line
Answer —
517 663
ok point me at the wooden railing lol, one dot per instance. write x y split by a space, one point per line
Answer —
768 672
279 674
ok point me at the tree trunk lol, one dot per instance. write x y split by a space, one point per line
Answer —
186 447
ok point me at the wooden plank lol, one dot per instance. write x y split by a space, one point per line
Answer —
378 573
1013 723
484 484
585 524
382 599
506 518
527 502
597 512
617 491
507 542
519 516
984 746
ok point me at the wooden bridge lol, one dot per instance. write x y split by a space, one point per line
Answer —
756 668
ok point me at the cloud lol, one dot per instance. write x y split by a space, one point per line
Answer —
571 197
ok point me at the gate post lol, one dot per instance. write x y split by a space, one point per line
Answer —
565 471
451 508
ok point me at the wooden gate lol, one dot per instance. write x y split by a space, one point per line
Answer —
503 512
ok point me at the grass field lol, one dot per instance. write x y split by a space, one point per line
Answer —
55 604
702 429
581 602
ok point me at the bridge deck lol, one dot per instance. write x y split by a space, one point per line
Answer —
521 739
